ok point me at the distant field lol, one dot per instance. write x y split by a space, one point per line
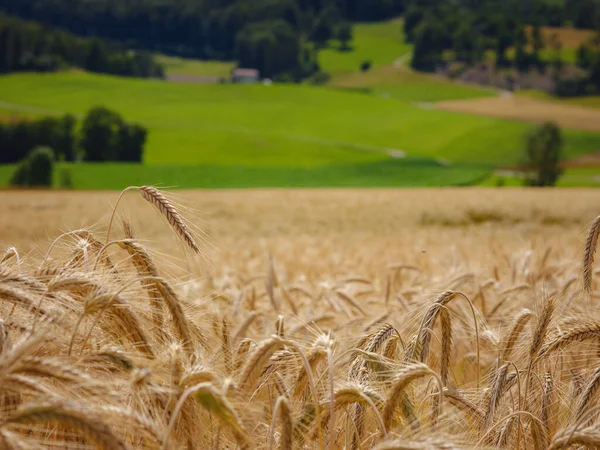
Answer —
244 130
530 108
572 177
393 173
192 67
381 43
587 102
406 85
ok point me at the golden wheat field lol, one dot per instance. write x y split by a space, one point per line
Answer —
302 319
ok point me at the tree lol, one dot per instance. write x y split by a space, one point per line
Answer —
131 142
272 47
41 166
556 46
343 33
465 43
521 57
427 52
584 56
65 146
99 135
543 154
36 170
537 44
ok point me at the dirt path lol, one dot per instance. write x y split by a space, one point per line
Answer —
529 109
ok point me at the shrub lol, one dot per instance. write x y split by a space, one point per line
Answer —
543 155
365 66
36 169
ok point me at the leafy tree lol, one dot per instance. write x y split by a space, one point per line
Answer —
41 166
585 56
343 33
537 45
466 43
365 66
65 144
521 57
99 135
272 47
543 155
36 170
427 52
556 46
131 142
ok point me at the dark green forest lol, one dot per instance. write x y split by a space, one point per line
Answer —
29 46
281 37
274 36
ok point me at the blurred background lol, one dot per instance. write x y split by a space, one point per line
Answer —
102 94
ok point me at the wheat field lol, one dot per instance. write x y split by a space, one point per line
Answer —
300 319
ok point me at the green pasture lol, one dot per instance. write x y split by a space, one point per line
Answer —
281 134
381 43
192 67
279 125
572 177
391 173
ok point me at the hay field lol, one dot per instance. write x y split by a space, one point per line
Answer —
330 319
529 109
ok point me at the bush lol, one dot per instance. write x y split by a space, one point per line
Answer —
36 170
543 154
365 66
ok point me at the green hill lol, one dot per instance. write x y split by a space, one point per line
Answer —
286 126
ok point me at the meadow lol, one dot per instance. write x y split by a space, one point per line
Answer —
175 66
380 43
238 134
326 319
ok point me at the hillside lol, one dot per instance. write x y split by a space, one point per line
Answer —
233 127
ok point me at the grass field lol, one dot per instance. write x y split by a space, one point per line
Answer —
279 125
381 43
411 304
226 129
191 67
403 84
398 173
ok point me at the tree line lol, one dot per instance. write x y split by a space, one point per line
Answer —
466 31
278 37
29 46
102 136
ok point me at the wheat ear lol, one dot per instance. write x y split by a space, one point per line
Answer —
579 333
156 198
401 382
515 332
72 416
588 255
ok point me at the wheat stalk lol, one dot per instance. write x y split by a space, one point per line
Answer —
283 412
590 250
72 416
407 375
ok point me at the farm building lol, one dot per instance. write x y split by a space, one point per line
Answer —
241 75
